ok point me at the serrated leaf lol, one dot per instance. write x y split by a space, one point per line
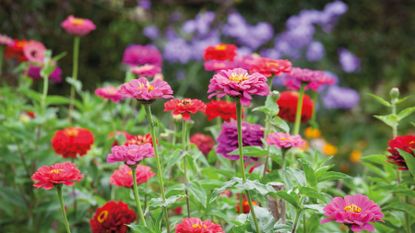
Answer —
380 100
309 174
280 124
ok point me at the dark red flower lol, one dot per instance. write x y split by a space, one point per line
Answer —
204 142
73 141
15 50
184 107
288 106
220 52
178 210
405 143
219 108
112 217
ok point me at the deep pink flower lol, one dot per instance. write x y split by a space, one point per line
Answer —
47 177
238 83
109 93
285 140
137 55
78 26
123 176
195 225
34 73
313 79
5 40
142 89
130 154
34 51
146 70
204 142
356 211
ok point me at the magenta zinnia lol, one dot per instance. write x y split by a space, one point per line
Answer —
145 91
130 154
355 211
238 83
109 93
285 140
312 79
78 26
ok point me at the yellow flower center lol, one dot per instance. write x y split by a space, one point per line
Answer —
237 78
78 21
220 47
198 226
185 102
102 216
71 132
55 171
352 208
150 87
130 173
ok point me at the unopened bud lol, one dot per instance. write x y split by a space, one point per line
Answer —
394 93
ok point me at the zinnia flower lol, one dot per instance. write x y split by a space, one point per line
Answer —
265 66
130 154
78 26
138 139
219 108
5 40
405 143
146 70
288 106
311 78
220 52
109 93
216 65
73 141
184 107
47 177
228 138
196 225
238 83
285 140
123 176
34 73
112 217
145 91
137 55
15 50
245 205
203 142
355 211
34 51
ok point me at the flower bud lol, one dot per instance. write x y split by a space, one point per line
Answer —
394 93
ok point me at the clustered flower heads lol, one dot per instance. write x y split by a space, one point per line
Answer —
288 106
405 143
312 79
238 83
204 142
47 177
285 140
78 26
228 138
112 217
130 154
219 108
355 211
109 93
122 177
72 142
184 107
340 98
196 225
145 91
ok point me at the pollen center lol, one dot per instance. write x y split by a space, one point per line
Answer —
55 171
77 21
71 132
150 87
220 47
102 216
352 208
237 78
185 102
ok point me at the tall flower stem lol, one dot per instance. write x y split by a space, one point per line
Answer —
44 94
185 146
137 197
313 120
75 61
296 220
241 159
1 59
299 110
60 197
159 168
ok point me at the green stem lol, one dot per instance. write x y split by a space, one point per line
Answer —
136 196
297 218
75 62
299 110
185 143
44 94
313 120
394 127
241 159
1 59
60 197
156 155
407 218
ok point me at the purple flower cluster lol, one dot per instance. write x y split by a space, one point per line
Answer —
228 138
34 73
348 61
340 98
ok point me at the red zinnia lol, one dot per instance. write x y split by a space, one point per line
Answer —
184 107
204 142
220 52
195 225
219 108
112 217
138 139
245 205
269 67
73 141
15 50
288 106
47 177
405 143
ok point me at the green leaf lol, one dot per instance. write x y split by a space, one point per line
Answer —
380 100
331 175
75 83
158 202
251 151
280 124
198 193
391 119
313 193
375 158
405 113
309 174
56 100
409 160
315 207
290 198
140 229
270 108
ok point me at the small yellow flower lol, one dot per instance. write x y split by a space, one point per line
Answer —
329 149
355 156
312 133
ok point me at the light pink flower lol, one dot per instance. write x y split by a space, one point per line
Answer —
313 79
34 51
109 93
130 154
238 83
285 140
123 176
47 177
146 70
142 89
356 211
78 26
5 40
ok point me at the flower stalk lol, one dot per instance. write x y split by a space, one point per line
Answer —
137 196
75 62
299 110
62 205
185 142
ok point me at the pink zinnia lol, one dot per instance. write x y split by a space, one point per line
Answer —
78 26
109 93
146 70
130 154
195 225
204 142
47 177
5 40
266 66
137 55
34 51
217 65
285 140
355 211
313 79
238 83
123 176
142 89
